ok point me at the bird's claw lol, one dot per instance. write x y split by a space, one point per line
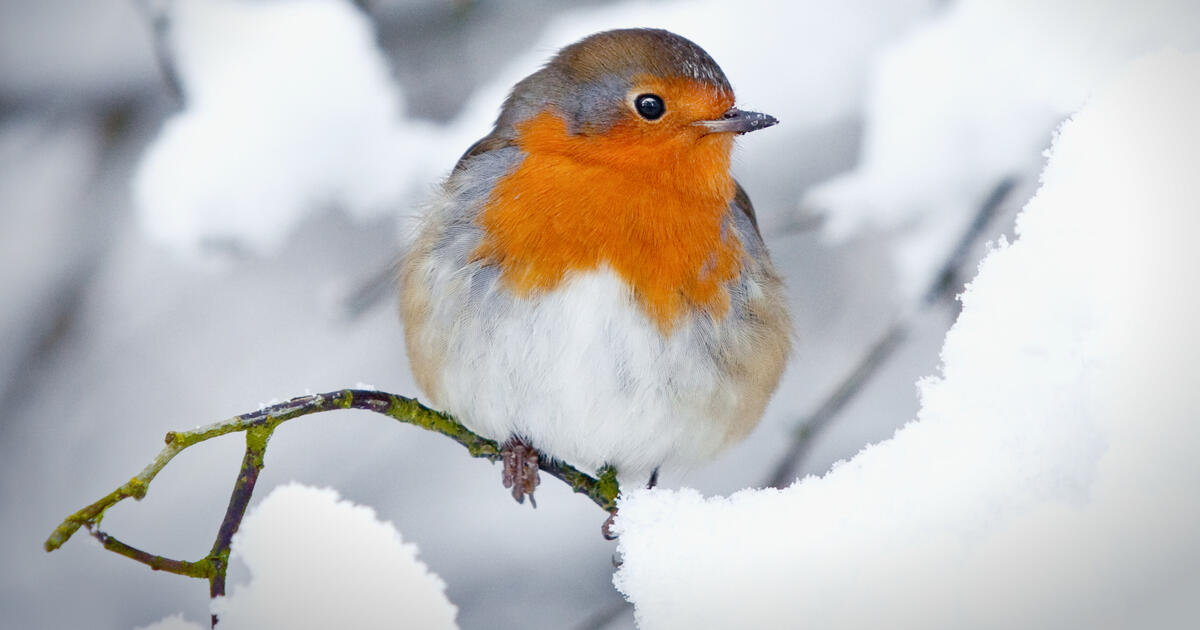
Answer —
520 469
606 528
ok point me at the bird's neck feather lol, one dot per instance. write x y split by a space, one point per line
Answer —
652 208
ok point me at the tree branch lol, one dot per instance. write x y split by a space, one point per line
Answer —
157 563
158 19
259 427
944 282
831 407
239 498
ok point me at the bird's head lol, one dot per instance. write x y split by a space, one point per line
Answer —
633 98
626 139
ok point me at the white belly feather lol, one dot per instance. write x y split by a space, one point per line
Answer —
583 375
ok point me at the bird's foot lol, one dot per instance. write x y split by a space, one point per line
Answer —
520 469
606 528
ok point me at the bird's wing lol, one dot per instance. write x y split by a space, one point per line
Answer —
490 142
744 219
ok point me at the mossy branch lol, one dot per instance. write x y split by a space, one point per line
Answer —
259 427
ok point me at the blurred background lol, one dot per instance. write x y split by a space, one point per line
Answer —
201 201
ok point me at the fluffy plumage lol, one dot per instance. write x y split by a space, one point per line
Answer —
593 282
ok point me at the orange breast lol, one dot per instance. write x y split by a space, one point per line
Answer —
650 205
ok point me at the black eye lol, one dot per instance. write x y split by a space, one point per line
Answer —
650 106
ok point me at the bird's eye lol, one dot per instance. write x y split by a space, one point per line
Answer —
650 106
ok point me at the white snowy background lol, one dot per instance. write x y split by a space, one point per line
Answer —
168 261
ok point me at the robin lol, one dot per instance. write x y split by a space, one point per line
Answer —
590 283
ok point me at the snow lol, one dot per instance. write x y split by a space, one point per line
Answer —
967 100
289 108
1049 478
320 562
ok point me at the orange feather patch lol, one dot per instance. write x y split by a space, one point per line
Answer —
648 200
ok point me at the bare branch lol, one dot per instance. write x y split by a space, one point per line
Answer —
200 569
259 427
239 498
155 12
945 283
847 389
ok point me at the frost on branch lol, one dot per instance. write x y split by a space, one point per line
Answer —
1050 477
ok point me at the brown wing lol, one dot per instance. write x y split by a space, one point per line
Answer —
490 142
741 201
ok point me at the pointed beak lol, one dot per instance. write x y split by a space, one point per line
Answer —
738 121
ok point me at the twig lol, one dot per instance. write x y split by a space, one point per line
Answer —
243 488
945 280
370 292
259 427
156 16
604 617
847 389
943 284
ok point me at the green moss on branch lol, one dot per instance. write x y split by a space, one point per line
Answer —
259 426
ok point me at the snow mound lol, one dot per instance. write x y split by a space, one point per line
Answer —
1050 478
319 562
967 100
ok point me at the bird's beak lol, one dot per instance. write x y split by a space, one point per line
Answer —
738 121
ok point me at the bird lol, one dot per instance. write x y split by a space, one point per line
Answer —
589 284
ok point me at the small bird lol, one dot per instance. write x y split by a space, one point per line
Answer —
590 284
